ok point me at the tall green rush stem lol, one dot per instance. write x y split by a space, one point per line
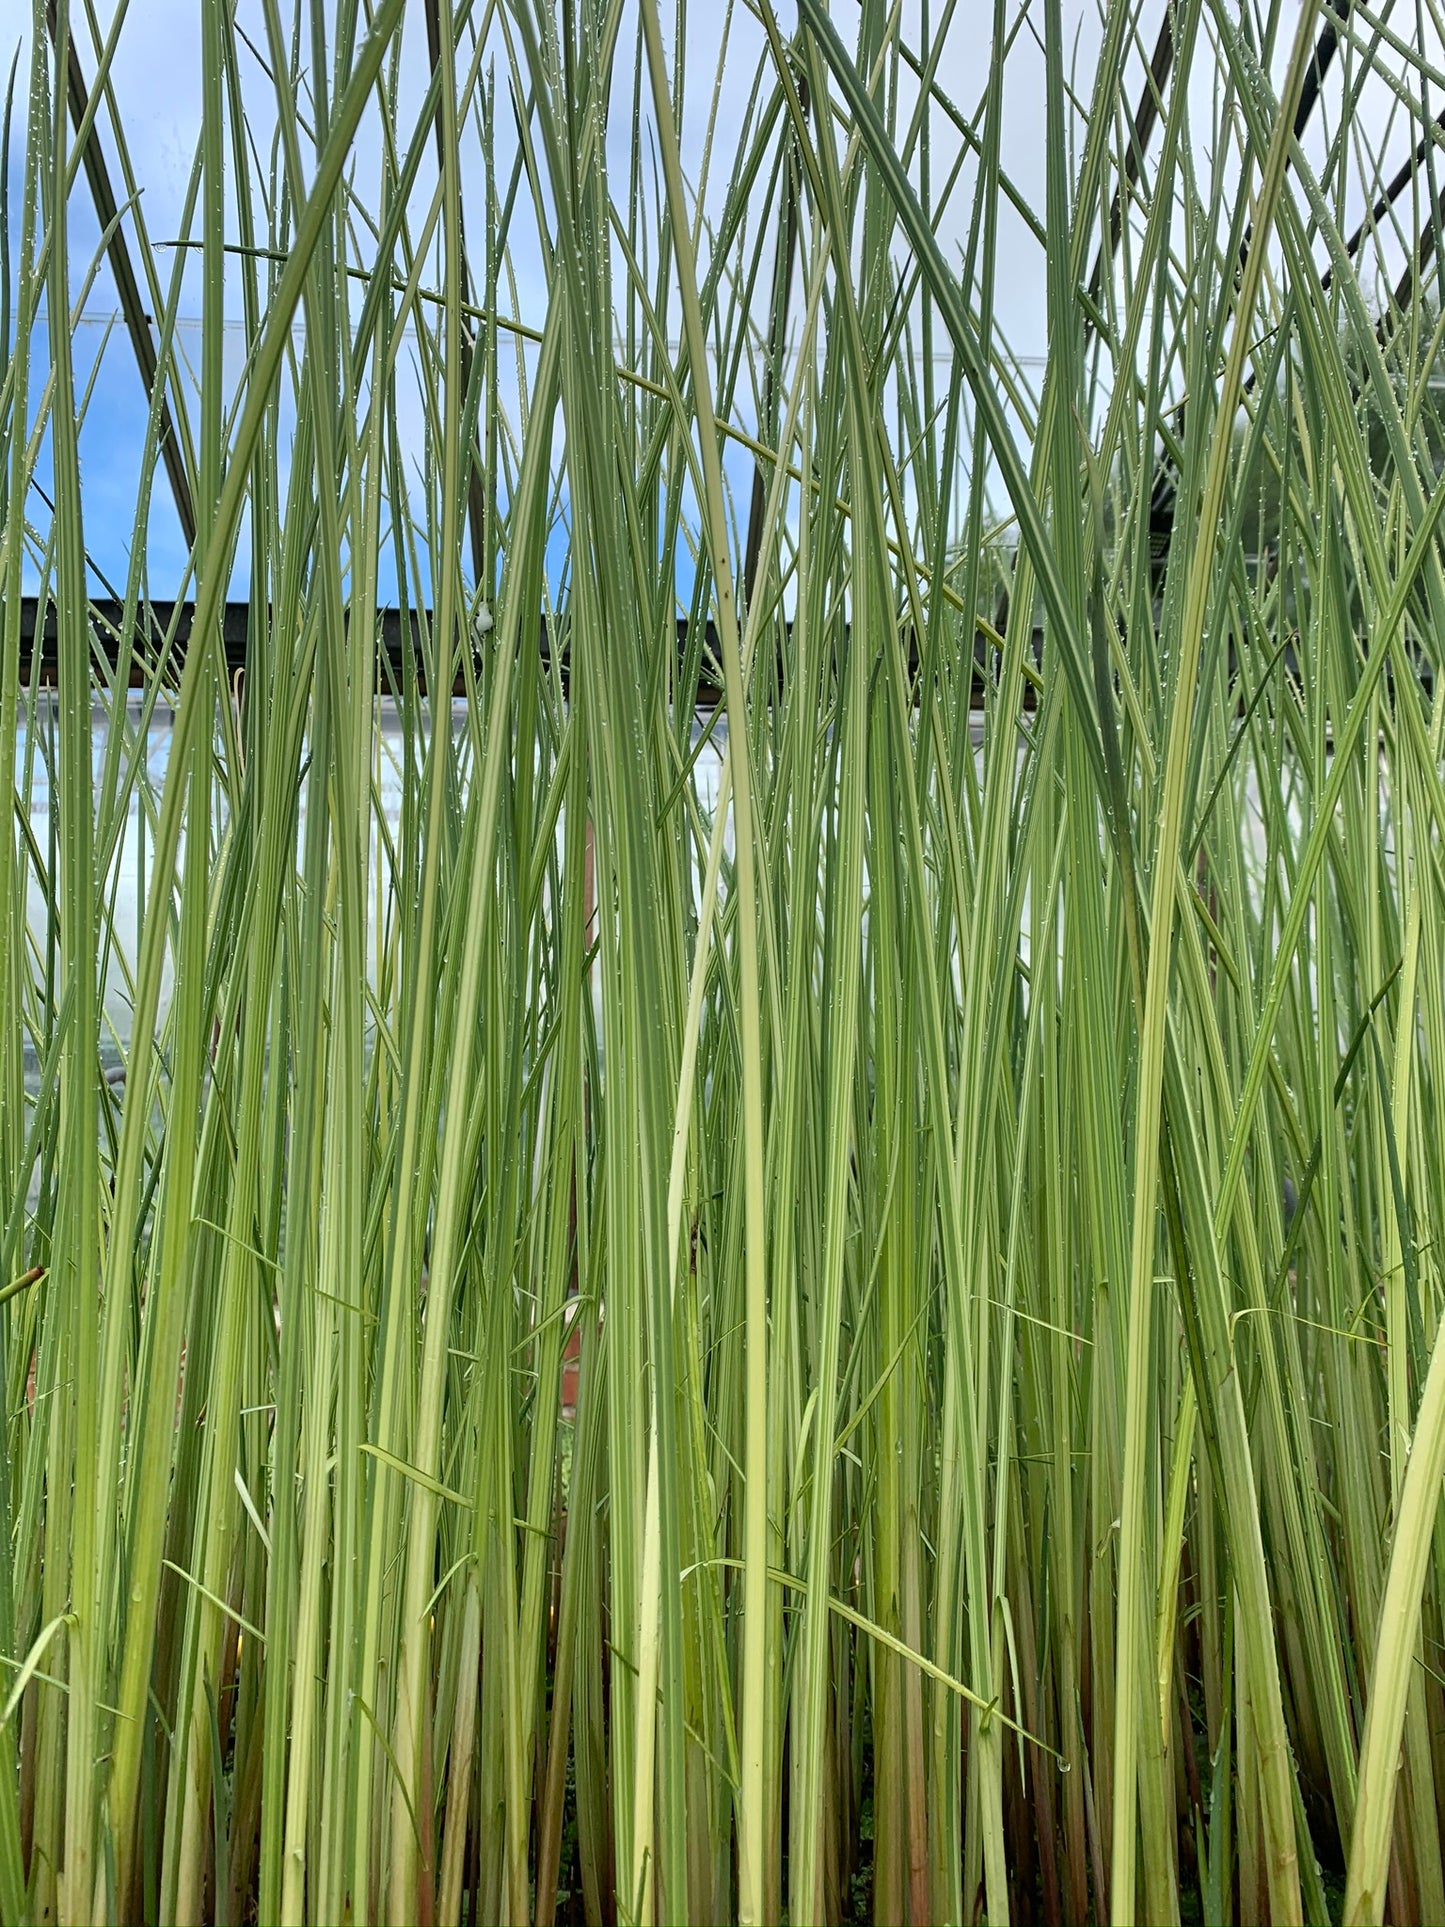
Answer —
1135 1585
1399 1627
752 1848
614 1144
77 1235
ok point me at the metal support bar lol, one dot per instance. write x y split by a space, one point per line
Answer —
137 321
476 504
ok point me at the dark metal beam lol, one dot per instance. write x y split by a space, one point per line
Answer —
137 321
476 503
399 634
1163 493
1145 117
1398 183
398 638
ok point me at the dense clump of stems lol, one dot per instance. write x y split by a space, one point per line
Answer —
777 1259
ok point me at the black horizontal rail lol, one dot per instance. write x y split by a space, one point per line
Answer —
398 633
395 631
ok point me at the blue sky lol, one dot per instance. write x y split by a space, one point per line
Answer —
157 83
